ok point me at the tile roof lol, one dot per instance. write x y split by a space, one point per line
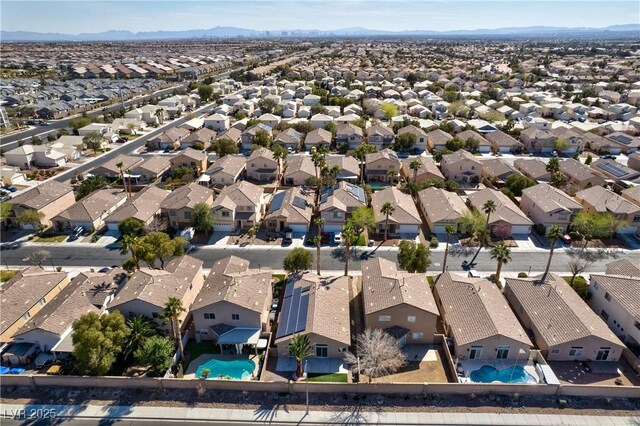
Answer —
231 280
533 168
506 210
93 205
405 212
603 201
550 199
240 193
626 290
142 206
384 286
623 267
475 309
556 311
42 195
342 195
293 204
186 196
441 205
428 167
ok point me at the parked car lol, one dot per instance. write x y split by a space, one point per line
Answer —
31 122
337 238
566 239
324 238
288 237
104 270
122 140
10 188
76 233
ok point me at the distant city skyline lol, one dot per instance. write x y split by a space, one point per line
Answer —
385 15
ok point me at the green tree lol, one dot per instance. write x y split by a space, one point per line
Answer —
133 244
361 153
97 341
553 235
205 92
156 352
131 226
89 185
558 179
489 207
93 141
553 166
202 218
451 230
262 138
561 145
171 312
348 234
415 166
31 217
267 106
502 254
159 246
318 240
363 218
387 210
516 183
595 225
389 111
406 141
279 154
6 210
79 122
414 257
299 348
299 259
141 328
588 160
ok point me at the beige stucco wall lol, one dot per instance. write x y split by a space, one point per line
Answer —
425 321
538 216
490 347
52 209
456 170
332 346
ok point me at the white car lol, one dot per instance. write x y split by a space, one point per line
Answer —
337 238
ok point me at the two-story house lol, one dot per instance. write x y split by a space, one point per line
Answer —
178 206
262 166
337 203
549 206
380 135
238 206
379 164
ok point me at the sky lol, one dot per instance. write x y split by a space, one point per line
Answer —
91 16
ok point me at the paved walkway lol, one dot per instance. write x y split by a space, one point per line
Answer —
283 416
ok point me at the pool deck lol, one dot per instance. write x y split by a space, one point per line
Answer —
193 365
470 365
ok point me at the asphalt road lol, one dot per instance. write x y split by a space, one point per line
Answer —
331 258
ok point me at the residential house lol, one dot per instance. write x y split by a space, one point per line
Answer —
110 170
600 200
349 134
179 204
233 134
428 170
217 122
533 168
538 141
148 291
563 325
270 120
548 206
497 171
298 169
398 302
461 166
290 209
91 211
421 136
203 137
477 317
613 170
405 219
475 138
507 220
437 140
169 139
633 161
380 135
320 121
289 138
580 175
317 138
151 169
39 156
127 126
190 159
224 171
628 144
502 142
248 134
101 128
12 176
616 298
49 199
262 166
601 145
232 308
24 295
441 209
144 206
337 203
238 206
348 167
632 194
378 165
623 267
308 298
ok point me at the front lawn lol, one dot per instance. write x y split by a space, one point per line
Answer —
54 238
7 275
334 378
278 284
204 347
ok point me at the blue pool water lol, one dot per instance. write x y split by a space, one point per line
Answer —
515 374
237 369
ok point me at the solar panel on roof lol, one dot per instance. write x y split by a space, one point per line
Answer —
293 317
300 203
288 290
621 138
276 203
612 169
301 323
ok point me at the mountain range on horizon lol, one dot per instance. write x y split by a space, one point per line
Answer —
626 30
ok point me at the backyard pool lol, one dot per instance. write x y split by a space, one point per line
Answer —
237 369
489 374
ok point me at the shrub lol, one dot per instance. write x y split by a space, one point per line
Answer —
522 275
492 278
434 242
575 236
540 229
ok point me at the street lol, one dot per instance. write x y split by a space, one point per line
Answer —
89 255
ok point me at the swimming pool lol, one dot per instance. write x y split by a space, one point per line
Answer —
489 374
236 369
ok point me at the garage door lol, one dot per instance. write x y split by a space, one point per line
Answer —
332 228
298 228
112 226
521 229
408 229
227 227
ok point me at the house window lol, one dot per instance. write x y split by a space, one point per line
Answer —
384 318
502 352
604 315
26 316
322 351
172 213
411 318
153 314
637 325
607 296
235 317
636 218
42 301
337 214
187 215
575 351
225 214
475 352
209 316
555 351
417 336
595 285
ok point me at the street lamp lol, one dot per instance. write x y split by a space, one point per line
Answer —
529 274
305 376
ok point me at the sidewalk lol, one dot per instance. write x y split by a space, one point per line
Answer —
270 415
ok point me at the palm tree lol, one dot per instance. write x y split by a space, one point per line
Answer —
160 115
348 234
415 166
141 328
387 209
318 240
489 207
171 312
554 234
124 183
391 175
503 255
131 243
299 348
450 231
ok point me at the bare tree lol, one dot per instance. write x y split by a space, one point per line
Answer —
38 256
378 354
577 266
160 223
